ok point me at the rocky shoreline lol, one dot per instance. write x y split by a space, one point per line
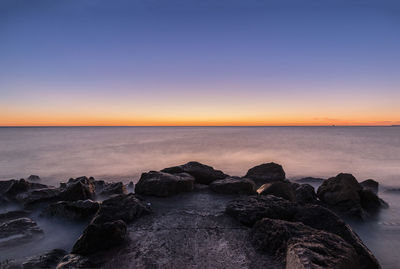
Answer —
193 216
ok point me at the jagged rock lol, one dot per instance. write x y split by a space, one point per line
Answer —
305 194
370 201
233 185
370 184
11 188
164 184
100 236
279 189
113 188
266 173
73 261
72 210
253 208
33 178
300 246
202 173
13 215
18 231
81 188
34 196
47 260
126 207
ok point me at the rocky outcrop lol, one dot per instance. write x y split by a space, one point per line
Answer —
112 188
11 188
10 215
305 194
266 173
300 246
48 260
81 188
18 231
202 173
36 196
278 189
233 185
371 185
72 210
164 184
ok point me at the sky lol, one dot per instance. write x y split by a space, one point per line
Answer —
205 62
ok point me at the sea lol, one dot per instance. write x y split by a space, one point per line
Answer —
123 153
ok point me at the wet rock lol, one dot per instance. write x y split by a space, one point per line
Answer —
113 188
48 260
81 188
266 173
254 208
370 184
100 236
33 178
73 261
305 194
164 184
233 185
126 207
300 246
13 215
35 196
202 173
18 231
279 189
72 210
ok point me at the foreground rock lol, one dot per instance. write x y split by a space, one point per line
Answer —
305 194
279 189
300 246
48 260
72 210
266 173
73 261
202 173
18 231
11 215
164 184
233 185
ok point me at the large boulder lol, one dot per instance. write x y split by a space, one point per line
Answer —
370 184
279 189
305 194
202 173
164 184
251 209
100 236
233 185
47 260
300 246
266 173
18 231
80 188
72 210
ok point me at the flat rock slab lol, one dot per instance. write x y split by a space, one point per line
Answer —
189 230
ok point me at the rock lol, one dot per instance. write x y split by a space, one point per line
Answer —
233 185
18 231
341 193
310 180
73 261
126 207
279 189
113 188
101 236
11 188
13 215
370 201
253 208
300 246
393 190
33 178
305 194
266 173
81 188
164 184
35 196
48 260
370 184
72 210
10 264
202 173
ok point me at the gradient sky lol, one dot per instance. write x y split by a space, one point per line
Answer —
205 62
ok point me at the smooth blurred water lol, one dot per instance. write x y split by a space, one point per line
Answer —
123 153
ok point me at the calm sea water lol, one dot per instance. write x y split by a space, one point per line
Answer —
123 153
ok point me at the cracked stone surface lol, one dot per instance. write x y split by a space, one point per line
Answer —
189 230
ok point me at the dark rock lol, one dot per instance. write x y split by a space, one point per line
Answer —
48 260
370 184
370 201
253 208
305 194
81 188
266 173
11 188
10 264
73 261
393 190
310 180
33 178
72 210
279 189
202 173
126 207
301 246
113 188
18 231
233 185
101 236
5 185
34 196
164 184
13 215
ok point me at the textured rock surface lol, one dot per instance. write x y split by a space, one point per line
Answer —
266 173
370 184
72 210
233 185
279 189
18 231
48 260
73 261
80 188
305 194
